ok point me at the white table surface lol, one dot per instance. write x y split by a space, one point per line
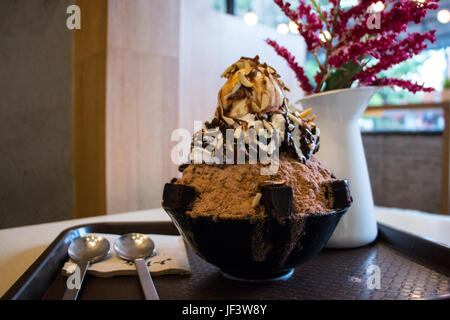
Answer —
21 246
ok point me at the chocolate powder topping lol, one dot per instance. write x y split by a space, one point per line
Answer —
227 191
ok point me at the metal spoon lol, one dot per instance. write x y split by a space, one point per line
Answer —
84 251
136 247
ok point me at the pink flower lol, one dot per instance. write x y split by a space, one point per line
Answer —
405 84
318 79
290 59
358 10
405 49
307 30
356 50
394 20
353 38
286 8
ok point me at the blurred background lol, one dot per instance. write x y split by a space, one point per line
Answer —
86 115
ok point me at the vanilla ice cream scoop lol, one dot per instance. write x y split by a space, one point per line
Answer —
251 87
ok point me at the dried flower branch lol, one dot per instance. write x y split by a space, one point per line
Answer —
348 39
290 59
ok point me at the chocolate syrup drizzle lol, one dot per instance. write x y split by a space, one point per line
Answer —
307 138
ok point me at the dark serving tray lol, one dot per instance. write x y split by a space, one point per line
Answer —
410 268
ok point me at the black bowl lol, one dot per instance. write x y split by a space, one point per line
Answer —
255 248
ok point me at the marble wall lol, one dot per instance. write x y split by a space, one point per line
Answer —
35 112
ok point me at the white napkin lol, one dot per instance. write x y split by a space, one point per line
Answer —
170 258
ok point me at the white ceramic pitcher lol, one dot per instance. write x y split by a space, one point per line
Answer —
341 151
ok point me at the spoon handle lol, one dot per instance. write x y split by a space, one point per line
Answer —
74 281
146 280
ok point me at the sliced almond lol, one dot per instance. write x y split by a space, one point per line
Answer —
256 200
311 119
237 132
229 121
291 108
246 137
236 87
271 182
295 119
264 102
239 109
244 80
305 113
267 126
291 127
219 143
227 71
255 107
247 68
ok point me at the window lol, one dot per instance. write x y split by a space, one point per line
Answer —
402 120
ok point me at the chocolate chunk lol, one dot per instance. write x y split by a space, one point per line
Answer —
183 166
272 183
317 148
173 180
213 124
338 194
252 75
178 197
277 200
